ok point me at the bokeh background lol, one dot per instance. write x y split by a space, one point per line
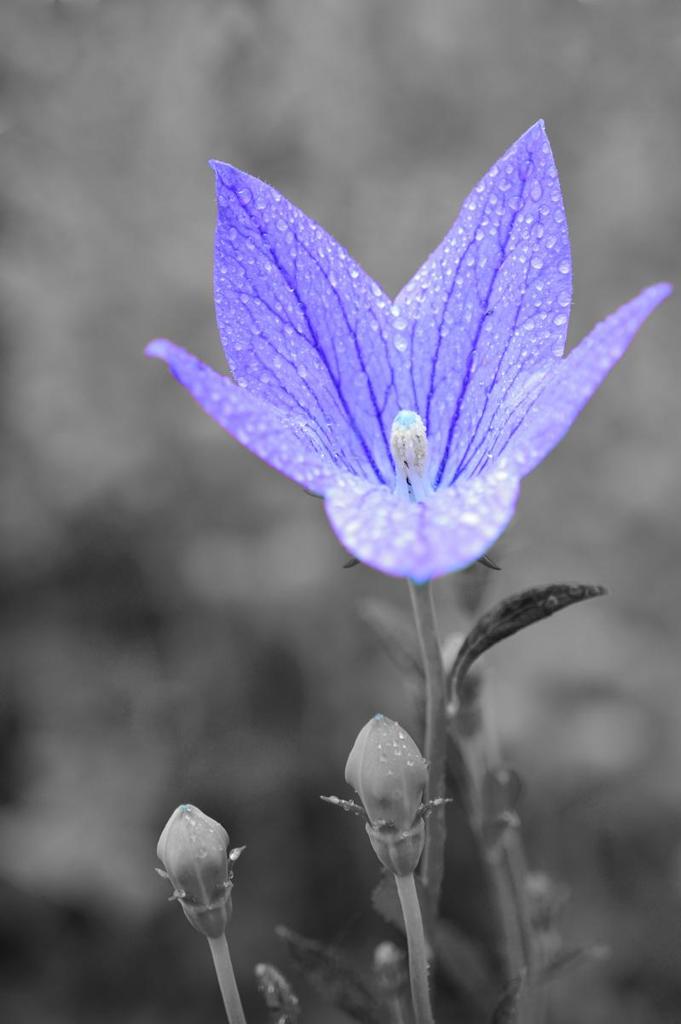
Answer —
177 625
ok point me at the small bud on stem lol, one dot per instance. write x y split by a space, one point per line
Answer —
193 851
389 774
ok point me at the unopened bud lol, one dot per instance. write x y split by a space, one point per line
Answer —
193 851
387 771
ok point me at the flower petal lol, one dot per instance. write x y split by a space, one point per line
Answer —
530 434
301 323
283 440
421 540
491 304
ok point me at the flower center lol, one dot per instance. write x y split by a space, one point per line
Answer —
409 446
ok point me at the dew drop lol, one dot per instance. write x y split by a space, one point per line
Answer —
244 196
564 266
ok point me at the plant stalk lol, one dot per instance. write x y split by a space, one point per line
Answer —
416 947
504 858
432 863
226 980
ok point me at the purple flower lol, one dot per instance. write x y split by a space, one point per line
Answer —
415 418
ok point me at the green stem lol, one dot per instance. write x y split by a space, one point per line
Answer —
226 980
476 756
416 947
432 864
505 860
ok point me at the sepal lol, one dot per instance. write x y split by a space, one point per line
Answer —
398 851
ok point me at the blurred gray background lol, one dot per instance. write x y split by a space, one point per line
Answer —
177 625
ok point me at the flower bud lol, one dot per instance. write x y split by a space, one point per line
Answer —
193 851
388 773
386 769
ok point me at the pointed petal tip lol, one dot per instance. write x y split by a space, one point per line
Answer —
663 288
230 176
535 133
159 348
654 295
219 167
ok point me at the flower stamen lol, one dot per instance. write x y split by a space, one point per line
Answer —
409 446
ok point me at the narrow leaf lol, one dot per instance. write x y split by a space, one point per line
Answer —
333 976
509 616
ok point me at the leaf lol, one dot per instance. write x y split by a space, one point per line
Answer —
333 976
281 1001
506 1010
508 617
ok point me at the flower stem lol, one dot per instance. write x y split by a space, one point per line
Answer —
226 980
432 864
504 858
416 946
